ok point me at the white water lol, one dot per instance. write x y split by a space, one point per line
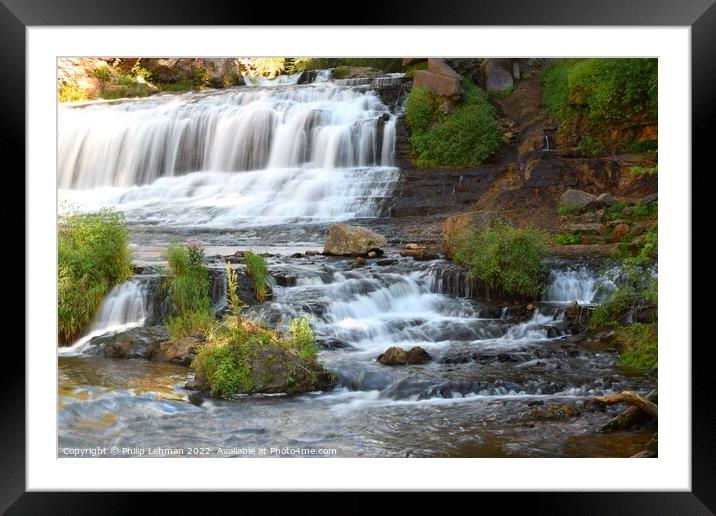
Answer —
124 307
579 284
260 155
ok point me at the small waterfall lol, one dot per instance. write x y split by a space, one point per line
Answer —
546 141
387 156
218 291
124 307
569 285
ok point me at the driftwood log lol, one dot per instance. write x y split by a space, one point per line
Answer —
641 409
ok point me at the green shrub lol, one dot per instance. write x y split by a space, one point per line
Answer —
648 252
258 270
638 343
567 239
615 211
640 147
92 256
555 84
68 92
504 258
463 138
188 284
103 73
300 64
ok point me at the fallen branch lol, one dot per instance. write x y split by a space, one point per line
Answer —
632 398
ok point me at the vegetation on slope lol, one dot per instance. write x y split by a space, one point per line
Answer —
600 93
92 257
463 138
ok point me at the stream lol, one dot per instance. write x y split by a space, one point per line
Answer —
269 167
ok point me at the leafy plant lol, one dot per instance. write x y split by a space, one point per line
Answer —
93 256
235 303
590 146
504 257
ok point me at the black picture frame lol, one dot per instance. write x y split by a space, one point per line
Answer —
700 15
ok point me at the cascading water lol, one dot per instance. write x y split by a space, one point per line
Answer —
273 154
248 155
124 307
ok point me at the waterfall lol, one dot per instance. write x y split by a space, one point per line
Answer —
124 307
219 158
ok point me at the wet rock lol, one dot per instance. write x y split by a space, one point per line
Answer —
393 356
284 280
554 411
386 262
577 198
417 355
133 343
396 356
332 343
344 240
358 262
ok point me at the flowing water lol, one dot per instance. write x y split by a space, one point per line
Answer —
268 167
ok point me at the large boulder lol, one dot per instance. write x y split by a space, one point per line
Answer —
578 199
344 240
439 78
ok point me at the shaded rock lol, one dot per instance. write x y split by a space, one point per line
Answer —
181 351
359 262
344 240
606 199
143 342
499 78
387 261
577 198
584 229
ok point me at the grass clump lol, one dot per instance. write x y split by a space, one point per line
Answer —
504 258
567 239
638 343
188 285
258 271
92 256
567 210
645 171
463 138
